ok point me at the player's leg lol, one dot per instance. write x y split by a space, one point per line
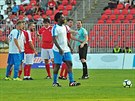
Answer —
17 62
83 55
47 66
68 60
45 57
57 61
63 71
51 55
21 66
29 63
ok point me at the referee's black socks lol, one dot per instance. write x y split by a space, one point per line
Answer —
85 72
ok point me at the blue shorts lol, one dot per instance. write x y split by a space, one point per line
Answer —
14 59
58 58
22 56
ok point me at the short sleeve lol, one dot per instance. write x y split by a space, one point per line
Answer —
29 36
54 31
15 34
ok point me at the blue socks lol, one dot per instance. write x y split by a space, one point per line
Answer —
55 78
70 75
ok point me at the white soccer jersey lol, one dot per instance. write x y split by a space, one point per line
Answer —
14 34
61 34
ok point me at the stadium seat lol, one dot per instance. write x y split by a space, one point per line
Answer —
117 21
132 11
29 17
33 2
36 17
21 17
126 21
44 16
116 11
73 2
69 7
60 7
112 17
65 12
121 17
104 17
2 2
120 6
56 11
108 21
52 17
129 17
64 2
124 12
108 12
100 21
49 12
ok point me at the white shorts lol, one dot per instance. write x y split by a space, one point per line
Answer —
47 54
29 59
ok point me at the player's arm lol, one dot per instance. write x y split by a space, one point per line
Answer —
70 47
32 47
57 45
73 38
31 43
17 45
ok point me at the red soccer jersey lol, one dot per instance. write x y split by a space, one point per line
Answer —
47 40
29 36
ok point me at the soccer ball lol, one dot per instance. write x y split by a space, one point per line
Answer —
127 83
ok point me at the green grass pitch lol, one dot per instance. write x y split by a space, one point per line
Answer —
103 85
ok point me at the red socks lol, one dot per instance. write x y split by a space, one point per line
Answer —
48 69
27 69
63 68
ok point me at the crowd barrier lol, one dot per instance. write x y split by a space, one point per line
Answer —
94 61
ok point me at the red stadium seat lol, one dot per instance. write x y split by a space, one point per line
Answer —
69 7
124 12
126 21
36 17
129 17
65 12
100 21
49 12
73 2
108 12
132 11
60 7
21 17
29 17
65 2
112 17
52 17
116 12
120 6
33 2
44 16
121 17
104 17
56 11
117 21
108 21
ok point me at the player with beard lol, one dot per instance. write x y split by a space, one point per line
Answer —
30 51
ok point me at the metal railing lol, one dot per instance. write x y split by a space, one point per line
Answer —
102 37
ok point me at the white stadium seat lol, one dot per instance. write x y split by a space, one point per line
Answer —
2 2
